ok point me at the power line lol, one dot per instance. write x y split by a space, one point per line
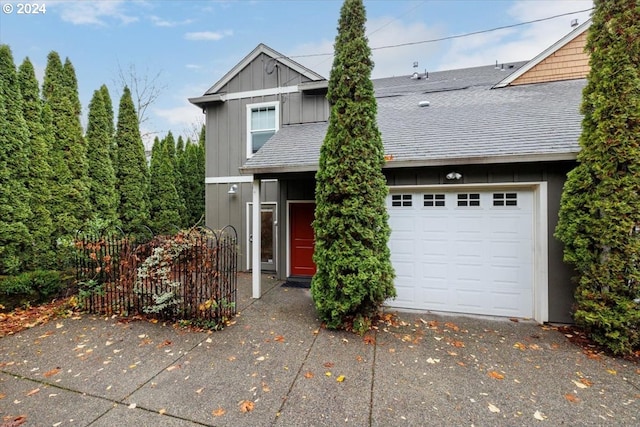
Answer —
457 36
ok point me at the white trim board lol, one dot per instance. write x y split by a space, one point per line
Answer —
228 179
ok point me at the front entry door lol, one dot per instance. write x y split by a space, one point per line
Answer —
302 241
268 233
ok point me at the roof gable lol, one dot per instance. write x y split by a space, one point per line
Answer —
266 50
564 60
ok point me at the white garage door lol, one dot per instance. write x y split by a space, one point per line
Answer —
463 251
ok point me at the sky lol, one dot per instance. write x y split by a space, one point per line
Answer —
182 48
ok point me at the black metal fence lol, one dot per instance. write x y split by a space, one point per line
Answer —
188 275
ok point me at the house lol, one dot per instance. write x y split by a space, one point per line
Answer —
476 161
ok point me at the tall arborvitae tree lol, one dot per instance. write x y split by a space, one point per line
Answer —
191 165
108 105
599 220
132 172
70 81
354 274
68 156
165 202
40 176
15 214
102 178
170 143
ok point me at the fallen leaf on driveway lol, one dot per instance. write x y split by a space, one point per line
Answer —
32 392
164 343
457 344
51 372
340 378
328 364
579 384
612 371
368 339
539 416
246 406
586 382
14 421
493 408
308 374
218 412
162 411
496 375
432 361
520 346
279 338
571 398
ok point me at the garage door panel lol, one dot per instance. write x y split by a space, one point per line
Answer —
467 259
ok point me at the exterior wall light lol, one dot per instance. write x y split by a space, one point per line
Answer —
454 175
233 189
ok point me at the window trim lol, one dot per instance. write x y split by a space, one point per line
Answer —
250 108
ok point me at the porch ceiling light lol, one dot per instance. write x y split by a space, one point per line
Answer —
454 176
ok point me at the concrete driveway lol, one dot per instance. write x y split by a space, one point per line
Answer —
275 366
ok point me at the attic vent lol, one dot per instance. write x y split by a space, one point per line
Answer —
424 104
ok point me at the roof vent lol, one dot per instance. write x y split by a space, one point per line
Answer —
424 104
574 23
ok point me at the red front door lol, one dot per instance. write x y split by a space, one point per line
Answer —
302 242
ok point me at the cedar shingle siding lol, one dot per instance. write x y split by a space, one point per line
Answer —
569 62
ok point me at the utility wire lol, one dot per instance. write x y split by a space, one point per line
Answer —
457 36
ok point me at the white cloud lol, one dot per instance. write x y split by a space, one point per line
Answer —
208 35
519 43
193 66
159 22
388 62
92 12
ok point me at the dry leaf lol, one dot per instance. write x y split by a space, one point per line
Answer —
328 364
51 372
2 396
328 374
32 392
513 319
579 384
360 359
496 375
457 344
279 338
539 416
132 406
231 358
246 406
164 344
586 382
368 339
162 411
493 408
265 388
308 374
612 371
571 398
340 378
432 361
173 367
14 421
520 346
452 326
218 412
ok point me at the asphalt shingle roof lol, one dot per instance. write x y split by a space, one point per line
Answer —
466 122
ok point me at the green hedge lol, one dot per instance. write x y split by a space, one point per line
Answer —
31 287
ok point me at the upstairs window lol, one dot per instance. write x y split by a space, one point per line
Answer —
262 123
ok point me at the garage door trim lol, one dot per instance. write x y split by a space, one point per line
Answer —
540 232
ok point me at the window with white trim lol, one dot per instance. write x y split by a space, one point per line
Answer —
505 199
262 124
468 199
433 200
401 200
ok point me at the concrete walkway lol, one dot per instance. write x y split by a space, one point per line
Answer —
276 367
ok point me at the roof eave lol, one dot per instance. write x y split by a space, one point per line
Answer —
202 101
447 161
